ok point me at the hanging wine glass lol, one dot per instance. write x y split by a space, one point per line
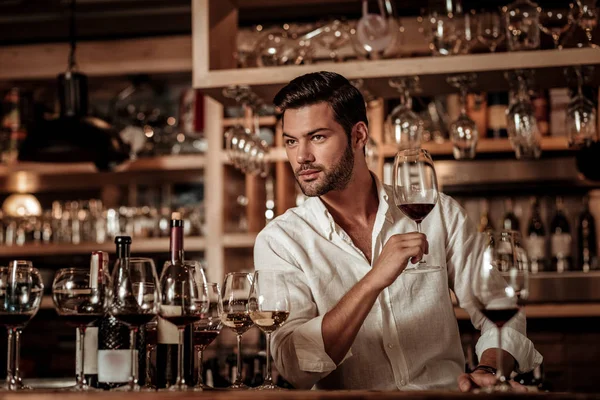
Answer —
555 22
522 25
522 126
336 34
445 33
490 30
375 34
588 18
403 126
580 122
463 131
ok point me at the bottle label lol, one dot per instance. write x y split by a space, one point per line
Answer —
90 353
536 247
167 332
561 245
496 116
114 366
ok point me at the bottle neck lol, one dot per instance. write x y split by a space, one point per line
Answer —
123 250
176 243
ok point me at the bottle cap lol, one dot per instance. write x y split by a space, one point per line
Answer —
176 215
123 240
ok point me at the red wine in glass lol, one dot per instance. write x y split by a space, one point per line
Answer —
416 211
136 320
500 316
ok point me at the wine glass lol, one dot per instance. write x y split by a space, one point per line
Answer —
235 315
522 25
404 127
500 285
581 112
490 30
588 18
269 307
81 296
21 292
205 331
151 343
182 302
415 192
555 22
463 131
135 302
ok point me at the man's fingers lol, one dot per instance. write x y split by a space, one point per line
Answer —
414 254
423 244
517 387
464 382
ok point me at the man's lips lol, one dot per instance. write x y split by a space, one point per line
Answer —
308 172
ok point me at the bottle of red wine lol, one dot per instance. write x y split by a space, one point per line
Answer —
586 240
114 356
168 335
536 239
510 220
560 241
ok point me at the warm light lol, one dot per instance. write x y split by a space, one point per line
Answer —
22 205
22 182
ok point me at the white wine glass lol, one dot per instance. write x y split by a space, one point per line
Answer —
415 192
235 315
269 307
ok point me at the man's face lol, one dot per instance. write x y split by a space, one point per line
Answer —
318 149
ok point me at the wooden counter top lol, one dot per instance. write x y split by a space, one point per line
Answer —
292 395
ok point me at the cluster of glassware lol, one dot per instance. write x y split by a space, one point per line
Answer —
244 146
88 221
449 30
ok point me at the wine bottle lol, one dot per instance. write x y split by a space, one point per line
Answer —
586 240
485 222
510 221
560 241
114 356
168 335
536 239
497 104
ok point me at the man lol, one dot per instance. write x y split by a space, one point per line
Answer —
356 321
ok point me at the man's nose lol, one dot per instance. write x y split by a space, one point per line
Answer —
304 155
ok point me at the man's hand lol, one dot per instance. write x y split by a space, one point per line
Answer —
479 379
394 257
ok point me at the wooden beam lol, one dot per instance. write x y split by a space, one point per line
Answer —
101 58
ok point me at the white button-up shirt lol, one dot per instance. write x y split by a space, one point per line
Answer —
409 339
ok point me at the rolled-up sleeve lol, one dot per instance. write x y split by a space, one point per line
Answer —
465 251
297 347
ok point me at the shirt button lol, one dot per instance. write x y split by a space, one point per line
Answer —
402 383
390 345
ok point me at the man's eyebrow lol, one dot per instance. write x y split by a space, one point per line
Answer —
307 133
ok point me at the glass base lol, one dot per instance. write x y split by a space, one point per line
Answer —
239 386
148 388
179 387
83 388
202 387
127 388
421 269
269 387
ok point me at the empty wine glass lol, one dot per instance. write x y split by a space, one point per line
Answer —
522 126
522 25
375 34
415 192
336 34
269 307
490 30
235 315
182 302
581 112
81 296
555 22
21 292
205 331
500 286
403 126
135 302
463 131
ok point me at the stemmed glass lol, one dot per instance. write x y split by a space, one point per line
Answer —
81 296
463 131
522 126
182 302
269 307
235 315
500 286
403 125
135 302
555 23
490 30
415 192
205 331
581 112
588 18
21 292
522 25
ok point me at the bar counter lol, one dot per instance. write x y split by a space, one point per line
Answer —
292 395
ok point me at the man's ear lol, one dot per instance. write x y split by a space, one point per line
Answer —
360 135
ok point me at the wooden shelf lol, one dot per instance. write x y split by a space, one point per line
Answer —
483 146
269 120
432 71
239 240
573 310
170 54
139 245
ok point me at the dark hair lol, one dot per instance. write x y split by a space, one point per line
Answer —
345 100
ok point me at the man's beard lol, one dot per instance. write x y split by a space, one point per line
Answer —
334 179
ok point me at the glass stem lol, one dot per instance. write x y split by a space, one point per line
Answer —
200 367
17 355
422 262
132 341
463 99
148 379
10 358
499 368
268 378
238 373
180 379
81 372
